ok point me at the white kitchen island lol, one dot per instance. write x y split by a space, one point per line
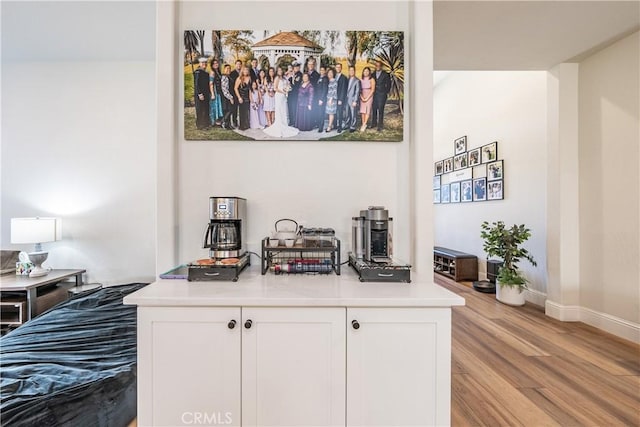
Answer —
296 350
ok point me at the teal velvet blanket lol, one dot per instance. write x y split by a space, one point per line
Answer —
74 365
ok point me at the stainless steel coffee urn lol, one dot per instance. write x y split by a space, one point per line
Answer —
226 233
372 238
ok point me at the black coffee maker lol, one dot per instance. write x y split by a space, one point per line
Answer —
372 255
225 235
372 235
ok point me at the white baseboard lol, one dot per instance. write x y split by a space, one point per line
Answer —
612 324
566 313
535 297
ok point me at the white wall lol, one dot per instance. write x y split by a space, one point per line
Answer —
111 167
508 107
79 131
609 181
319 183
78 142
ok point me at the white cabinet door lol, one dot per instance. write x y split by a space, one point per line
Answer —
189 366
293 367
398 367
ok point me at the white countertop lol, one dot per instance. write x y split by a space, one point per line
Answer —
254 290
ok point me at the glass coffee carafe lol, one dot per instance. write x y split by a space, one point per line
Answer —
226 232
222 236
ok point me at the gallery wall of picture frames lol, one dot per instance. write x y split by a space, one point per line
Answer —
470 175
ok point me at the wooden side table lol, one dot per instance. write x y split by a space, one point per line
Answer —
31 285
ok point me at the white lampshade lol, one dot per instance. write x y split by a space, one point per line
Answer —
35 230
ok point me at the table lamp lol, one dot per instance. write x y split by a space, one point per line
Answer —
36 230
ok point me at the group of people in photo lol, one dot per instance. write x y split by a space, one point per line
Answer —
282 102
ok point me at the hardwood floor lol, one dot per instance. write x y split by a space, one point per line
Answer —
514 366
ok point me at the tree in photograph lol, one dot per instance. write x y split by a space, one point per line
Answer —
284 61
200 34
216 42
327 60
328 38
190 47
391 54
312 35
352 47
359 42
238 42
321 38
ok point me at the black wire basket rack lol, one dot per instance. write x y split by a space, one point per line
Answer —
304 257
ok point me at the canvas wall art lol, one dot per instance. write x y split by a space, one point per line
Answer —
293 85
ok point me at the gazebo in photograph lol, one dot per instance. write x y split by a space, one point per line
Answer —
284 44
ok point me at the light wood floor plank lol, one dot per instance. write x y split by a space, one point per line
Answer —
515 406
566 345
494 352
516 366
495 330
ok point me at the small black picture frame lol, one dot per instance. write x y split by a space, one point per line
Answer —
439 167
490 152
474 157
460 162
466 191
480 189
454 191
447 165
460 145
495 190
495 170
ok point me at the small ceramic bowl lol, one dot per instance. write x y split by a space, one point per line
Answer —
274 243
289 242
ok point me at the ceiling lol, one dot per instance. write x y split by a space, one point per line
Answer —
526 35
468 35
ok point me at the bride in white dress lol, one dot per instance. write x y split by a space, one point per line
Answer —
280 127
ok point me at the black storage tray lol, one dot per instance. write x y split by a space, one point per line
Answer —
380 275
211 273
372 272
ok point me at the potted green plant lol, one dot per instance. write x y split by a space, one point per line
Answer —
506 244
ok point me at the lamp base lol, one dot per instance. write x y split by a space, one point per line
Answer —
38 271
37 258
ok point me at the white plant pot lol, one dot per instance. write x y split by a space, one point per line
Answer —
510 295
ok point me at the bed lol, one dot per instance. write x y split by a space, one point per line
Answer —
74 365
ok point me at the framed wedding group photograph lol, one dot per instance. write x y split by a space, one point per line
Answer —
297 84
471 175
